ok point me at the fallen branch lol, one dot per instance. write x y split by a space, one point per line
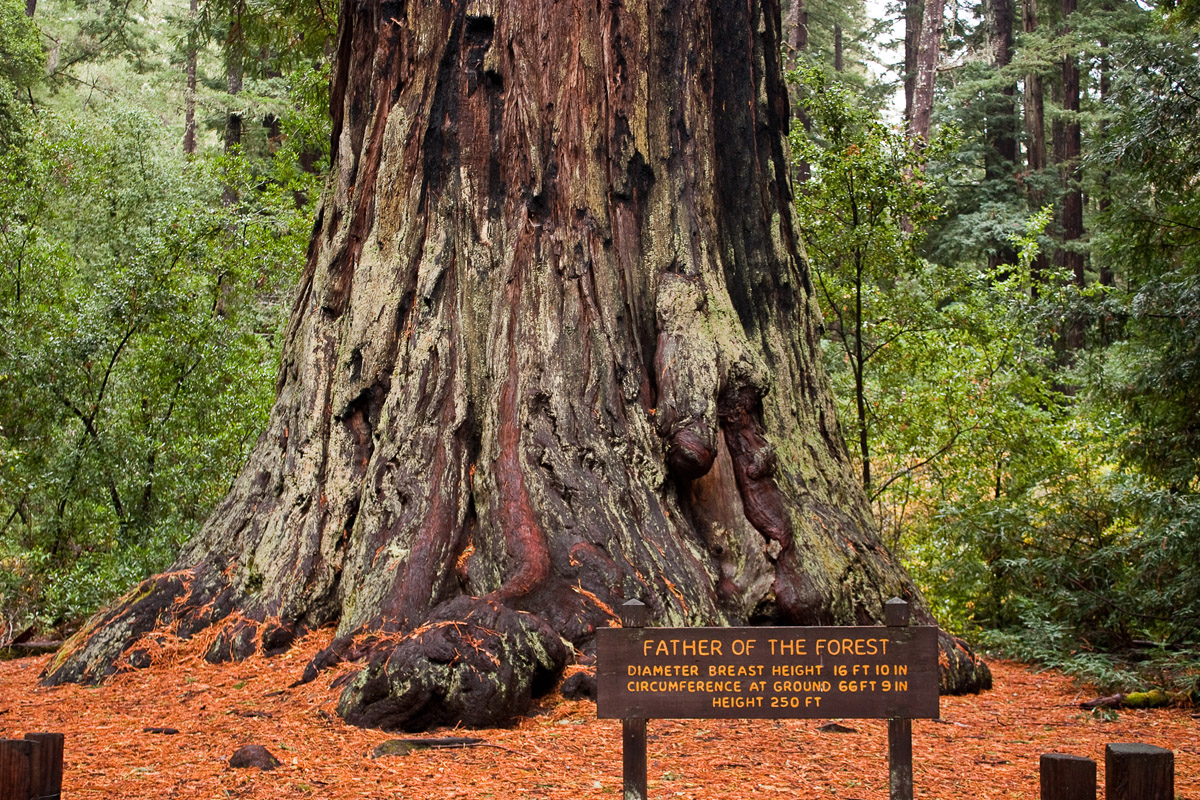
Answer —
402 747
1155 698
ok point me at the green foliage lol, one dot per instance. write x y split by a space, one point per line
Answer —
938 365
20 67
1150 374
22 54
281 49
138 339
985 208
1065 525
859 213
90 32
141 294
843 33
1044 496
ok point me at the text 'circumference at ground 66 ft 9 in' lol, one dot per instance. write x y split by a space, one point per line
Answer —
772 673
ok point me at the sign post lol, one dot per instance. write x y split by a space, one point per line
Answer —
767 673
900 777
633 730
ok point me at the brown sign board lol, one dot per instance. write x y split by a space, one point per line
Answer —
767 673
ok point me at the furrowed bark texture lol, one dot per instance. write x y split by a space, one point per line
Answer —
555 348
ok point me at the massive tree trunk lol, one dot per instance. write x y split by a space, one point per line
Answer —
555 347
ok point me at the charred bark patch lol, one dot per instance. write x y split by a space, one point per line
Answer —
478 34
361 417
440 153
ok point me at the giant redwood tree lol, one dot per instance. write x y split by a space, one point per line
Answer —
555 347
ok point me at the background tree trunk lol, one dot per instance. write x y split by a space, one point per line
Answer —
839 57
928 50
189 97
1068 147
795 29
555 347
795 26
1035 138
914 11
1002 153
235 68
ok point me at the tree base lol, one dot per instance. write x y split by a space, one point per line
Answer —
474 663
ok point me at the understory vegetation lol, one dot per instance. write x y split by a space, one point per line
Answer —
1012 324
1025 407
142 287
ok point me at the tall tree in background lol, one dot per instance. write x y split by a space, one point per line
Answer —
1001 159
928 50
1035 135
914 11
555 347
795 32
1068 151
795 27
235 71
190 68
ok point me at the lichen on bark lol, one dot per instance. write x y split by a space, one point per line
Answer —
554 347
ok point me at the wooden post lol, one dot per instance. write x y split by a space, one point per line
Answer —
633 731
1138 772
48 772
900 771
17 761
1067 777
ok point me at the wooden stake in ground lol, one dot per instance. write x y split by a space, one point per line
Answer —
17 763
1066 777
1138 772
48 770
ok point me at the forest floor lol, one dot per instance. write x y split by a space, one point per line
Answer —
983 747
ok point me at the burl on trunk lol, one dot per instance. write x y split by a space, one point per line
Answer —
555 347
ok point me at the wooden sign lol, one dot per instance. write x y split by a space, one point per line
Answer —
767 673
